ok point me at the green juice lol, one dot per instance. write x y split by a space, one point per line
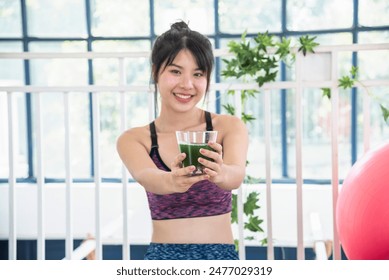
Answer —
192 152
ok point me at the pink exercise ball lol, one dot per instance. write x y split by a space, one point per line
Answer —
362 214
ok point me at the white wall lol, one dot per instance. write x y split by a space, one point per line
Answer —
316 199
83 204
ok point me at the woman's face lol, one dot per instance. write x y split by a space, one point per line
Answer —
182 85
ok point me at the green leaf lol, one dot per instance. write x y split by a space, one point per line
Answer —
252 92
346 82
234 46
247 117
307 44
229 108
283 48
247 93
251 203
254 224
243 37
264 40
326 92
236 242
385 112
251 180
234 212
354 71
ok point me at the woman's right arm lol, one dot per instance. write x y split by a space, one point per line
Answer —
135 157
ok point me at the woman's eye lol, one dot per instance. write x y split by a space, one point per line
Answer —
198 74
174 71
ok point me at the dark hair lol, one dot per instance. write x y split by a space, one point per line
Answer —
179 37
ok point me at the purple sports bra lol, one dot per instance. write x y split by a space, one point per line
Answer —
202 199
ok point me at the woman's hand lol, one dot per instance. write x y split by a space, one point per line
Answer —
213 168
181 179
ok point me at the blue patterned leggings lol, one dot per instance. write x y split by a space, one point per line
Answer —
167 251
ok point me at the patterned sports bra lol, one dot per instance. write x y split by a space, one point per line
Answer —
202 199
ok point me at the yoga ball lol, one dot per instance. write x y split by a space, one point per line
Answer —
362 214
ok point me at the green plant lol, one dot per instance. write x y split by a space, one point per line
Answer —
307 44
258 61
348 82
253 222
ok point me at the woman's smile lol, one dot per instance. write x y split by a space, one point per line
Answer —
183 98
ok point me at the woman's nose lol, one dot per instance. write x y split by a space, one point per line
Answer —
186 82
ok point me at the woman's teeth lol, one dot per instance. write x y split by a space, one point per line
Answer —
183 96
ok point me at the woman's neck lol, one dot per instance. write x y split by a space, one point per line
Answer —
180 121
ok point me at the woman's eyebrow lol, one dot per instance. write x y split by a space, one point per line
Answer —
180 67
175 65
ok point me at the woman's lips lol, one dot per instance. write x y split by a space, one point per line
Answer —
183 97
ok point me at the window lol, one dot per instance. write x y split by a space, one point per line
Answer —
259 16
123 18
319 14
130 25
199 14
50 19
10 19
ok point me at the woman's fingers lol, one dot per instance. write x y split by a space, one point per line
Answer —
216 146
177 168
212 160
216 155
177 163
182 178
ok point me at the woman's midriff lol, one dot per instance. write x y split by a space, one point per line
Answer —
213 229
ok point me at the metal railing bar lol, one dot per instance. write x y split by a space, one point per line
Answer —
72 55
323 49
224 86
68 180
299 176
366 121
97 173
123 127
242 249
269 218
317 233
334 149
12 244
40 178
217 52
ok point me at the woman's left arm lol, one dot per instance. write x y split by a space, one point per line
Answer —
229 166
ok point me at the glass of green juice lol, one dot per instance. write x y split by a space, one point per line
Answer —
190 143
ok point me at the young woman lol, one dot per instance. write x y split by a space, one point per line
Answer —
191 215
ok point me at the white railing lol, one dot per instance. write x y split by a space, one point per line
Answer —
299 84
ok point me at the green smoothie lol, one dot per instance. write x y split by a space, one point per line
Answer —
192 152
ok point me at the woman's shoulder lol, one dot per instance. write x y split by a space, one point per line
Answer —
224 121
140 134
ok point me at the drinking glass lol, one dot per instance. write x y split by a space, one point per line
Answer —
190 143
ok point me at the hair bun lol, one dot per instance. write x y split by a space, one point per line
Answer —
180 25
